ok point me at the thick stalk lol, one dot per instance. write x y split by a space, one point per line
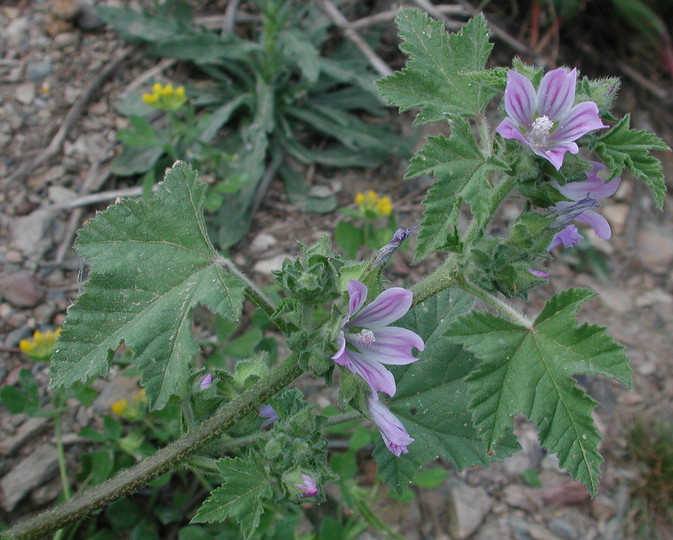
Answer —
504 308
130 480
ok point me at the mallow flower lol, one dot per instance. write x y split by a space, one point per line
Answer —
547 121
269 415
308 487
394 434
583 197
366 342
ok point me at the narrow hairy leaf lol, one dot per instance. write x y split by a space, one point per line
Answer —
530 371
433 78
624 147
432 399
462 175
245 487
151 265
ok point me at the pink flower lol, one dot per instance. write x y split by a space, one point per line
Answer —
394 434
366 342
206 381
267 412
307 487
547 121
583 197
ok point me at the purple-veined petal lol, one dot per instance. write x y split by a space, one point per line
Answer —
392 345
539 273
375 375
593 185
599 223
581 119
357 291
507 130
554 154
386 308
341 349
206 381
568 237
556 93
395 435
520 99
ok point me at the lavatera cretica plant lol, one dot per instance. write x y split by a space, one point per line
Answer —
434 375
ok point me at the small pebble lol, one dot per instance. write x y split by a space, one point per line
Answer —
38 70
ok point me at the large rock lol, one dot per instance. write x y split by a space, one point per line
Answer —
41 465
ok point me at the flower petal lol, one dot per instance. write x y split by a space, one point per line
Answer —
395 435
375 375
520 99
599 223
339 357
507 130
392 345
594 185
568 237
556 93
386 308
357 291
554 154
580 120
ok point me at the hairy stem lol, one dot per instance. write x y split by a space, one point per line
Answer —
261 300
504 308
130 480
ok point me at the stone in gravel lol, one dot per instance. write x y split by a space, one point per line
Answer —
616 214
21 289
87 17
16 32
262 242
562 528
566 492
33 234
267 266
523 497
119 388
524 530
61 41
603 508
38 467
59 194
468 506
25 93
29 429
13 256
39 70
655 248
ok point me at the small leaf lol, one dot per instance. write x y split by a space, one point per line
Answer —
433 78
530 371
462 175
432 398
240 497
151 265
624 147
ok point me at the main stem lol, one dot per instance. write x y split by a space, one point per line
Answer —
130 480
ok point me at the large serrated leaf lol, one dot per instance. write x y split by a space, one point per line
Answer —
151 264
462 175
240 498
530 371
623 147
433 78
431 398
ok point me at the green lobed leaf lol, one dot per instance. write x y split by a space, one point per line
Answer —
462 175
624 147
151 265
530 371
433 77
240 497
432 398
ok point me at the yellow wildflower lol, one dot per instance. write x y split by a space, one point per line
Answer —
41 345
371 205
166 98
120 407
